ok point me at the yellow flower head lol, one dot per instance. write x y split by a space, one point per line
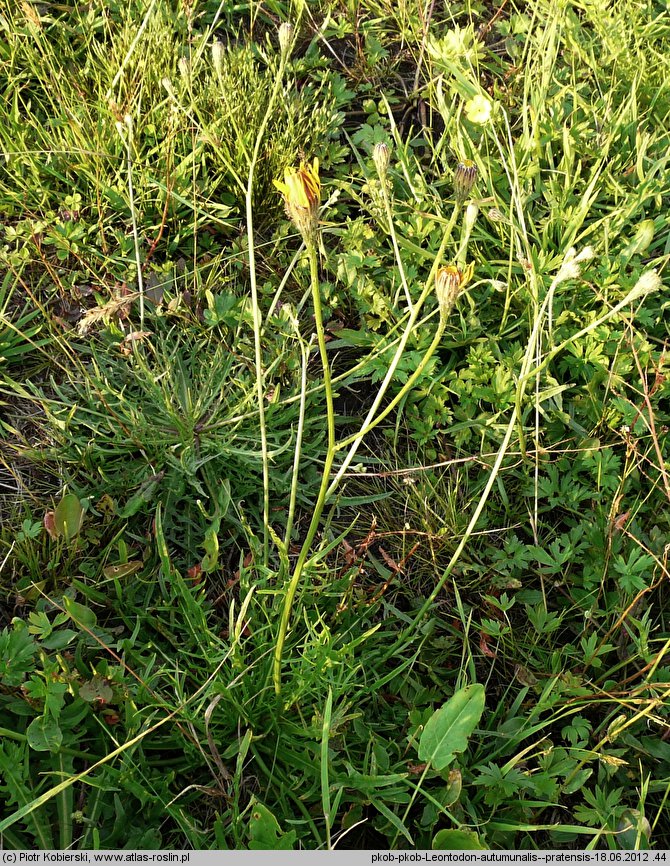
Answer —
301 189
478 109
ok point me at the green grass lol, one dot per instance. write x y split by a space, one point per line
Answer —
428 612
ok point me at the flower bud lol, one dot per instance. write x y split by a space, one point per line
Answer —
285 37
449 283
496 215
447 287
464 179
301 189
381 156
470 218
184 68
218 52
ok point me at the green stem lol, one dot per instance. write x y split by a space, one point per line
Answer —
260 389
358 438
328 463
403 391
298 441
394 240
321 338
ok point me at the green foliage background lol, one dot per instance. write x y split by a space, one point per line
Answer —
527 706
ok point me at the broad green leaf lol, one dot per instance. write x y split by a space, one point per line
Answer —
44 735
633 831
457 840
124 569
68 517
447 731
79 613
577 781
265 833
59 639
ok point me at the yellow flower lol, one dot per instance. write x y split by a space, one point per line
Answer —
478 109
301 189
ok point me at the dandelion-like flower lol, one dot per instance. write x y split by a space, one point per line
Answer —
464 179
449 283
478 109
301 189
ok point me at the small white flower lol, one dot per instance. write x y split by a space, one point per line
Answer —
648 282
571 267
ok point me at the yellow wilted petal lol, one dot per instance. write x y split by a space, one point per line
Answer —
302 192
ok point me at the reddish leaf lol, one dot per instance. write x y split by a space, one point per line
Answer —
484 646
194 572
390 562
50 524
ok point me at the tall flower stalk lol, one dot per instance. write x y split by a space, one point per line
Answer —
285 44
381 156
301 190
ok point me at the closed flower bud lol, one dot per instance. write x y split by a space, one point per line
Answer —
184 68
447 287
382 157
449 283
285 37
470 217
464 179
218 52
496 215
